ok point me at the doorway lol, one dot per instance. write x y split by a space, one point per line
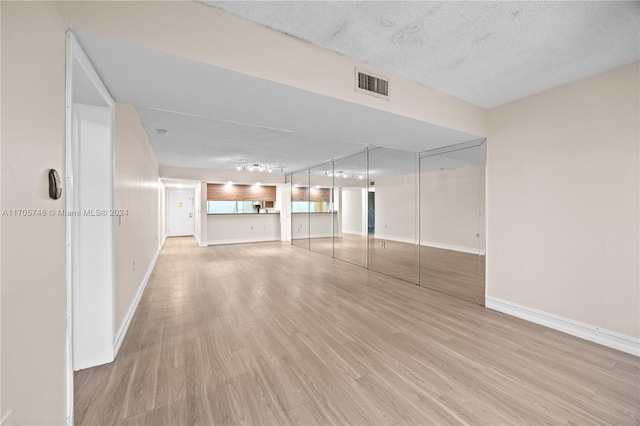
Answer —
180 222
89 228
371 211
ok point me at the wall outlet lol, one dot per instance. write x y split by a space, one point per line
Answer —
134 266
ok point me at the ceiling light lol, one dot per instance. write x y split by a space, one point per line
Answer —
243 165
162 131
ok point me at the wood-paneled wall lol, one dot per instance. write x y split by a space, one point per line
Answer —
221 192
317 194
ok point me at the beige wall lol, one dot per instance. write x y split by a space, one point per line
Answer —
563 200
450 202
136 190
33 248
215 37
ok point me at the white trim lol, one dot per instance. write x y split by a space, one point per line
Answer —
354 232
241 241
325 235
598 335
451 247
68 195
74 52
126 322
396 239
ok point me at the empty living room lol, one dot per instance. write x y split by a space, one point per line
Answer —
319 213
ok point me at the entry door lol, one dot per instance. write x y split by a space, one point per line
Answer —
180 212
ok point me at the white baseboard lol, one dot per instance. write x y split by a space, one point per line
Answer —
397 239
241 241
321 235
471 250
122 331
353 232
608 338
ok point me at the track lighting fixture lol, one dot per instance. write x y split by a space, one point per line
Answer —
249 167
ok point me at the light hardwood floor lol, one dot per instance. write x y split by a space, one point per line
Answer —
272 334
454 273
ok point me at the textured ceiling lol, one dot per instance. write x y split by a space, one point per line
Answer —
486 53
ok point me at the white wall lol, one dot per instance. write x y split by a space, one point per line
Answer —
563 202
33 291
452 209
396 208
136 190
243 228
354 208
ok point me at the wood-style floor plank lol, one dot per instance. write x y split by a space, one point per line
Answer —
267 333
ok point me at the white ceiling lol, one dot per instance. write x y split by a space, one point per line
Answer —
485 52
215 117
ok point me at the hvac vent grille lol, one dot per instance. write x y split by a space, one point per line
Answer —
373 84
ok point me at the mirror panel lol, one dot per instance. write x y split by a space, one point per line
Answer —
300 209
452 242
321 209
392 206
350 226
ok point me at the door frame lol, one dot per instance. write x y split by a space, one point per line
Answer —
75 54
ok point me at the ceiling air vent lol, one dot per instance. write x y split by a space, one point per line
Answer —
372 85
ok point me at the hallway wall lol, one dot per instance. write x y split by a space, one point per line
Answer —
136 191
33 290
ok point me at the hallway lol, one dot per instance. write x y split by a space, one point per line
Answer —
268 333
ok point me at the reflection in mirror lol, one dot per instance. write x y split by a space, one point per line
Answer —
321 208
452 243
300 209
392 206
350 184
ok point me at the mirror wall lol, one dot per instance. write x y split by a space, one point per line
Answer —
350 188
321 209
414 216
452 237
391 204
300 209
